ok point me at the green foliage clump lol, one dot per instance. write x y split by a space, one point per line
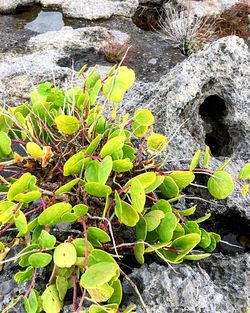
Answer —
82 167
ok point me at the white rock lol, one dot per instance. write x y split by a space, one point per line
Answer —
208 7
7 6
96 9
18 73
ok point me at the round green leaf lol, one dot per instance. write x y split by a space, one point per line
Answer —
67 187
157 142
22 277
123 165
169 188
146 179
21 223
158 181
39 259
46 240
141 229
205 239
128 216
97 189
68 125
34 150
139 249
221 185
162 205
74 165
137 194
113 145
144 117
117 294
98 234
5 145
167 227
65 255
195 160
102 293
182 178
51 301
153 219
53 214
79 244
98 274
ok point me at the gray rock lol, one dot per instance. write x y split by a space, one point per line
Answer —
187 288
221 70
208 7
39 63
7 6
151 1
96 9
87 9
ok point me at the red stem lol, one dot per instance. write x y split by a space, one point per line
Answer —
32 285
81 302
75 289
26 214
85 259
151 198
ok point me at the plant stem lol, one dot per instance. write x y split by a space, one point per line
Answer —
84 224
75 289
32 284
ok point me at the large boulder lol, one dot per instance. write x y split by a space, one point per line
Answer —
39 61
205 100
96 9
87 9
188 288
208 7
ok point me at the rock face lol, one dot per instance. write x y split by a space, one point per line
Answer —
87 9
205 100
221 69
39 63
208 7
189 288
7 6
96 9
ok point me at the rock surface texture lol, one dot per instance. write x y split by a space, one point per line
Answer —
96 9
222 287
87 9
208 7
39 63
7 6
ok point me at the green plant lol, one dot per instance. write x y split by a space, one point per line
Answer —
81 167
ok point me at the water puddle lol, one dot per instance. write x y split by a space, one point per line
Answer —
39 20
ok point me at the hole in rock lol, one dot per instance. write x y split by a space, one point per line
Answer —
78 58
148 16
233 229
213 111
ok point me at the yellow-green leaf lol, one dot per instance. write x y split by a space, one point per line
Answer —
182 178
34 150
68 125
245 172
65 255
221 185
157 142
39 259
98 274
113 145
51 301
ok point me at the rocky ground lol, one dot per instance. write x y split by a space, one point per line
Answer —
207 93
